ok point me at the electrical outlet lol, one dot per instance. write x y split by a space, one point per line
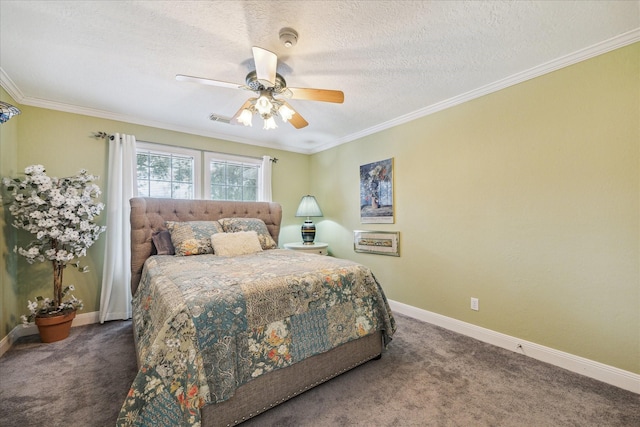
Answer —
475 304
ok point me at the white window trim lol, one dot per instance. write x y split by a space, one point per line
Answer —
197 160
201 160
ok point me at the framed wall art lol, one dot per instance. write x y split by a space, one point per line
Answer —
376 192
377 242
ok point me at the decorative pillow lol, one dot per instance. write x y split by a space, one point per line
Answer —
193 237
233 225
162 243
234 244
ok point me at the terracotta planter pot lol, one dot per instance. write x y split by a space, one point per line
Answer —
55 328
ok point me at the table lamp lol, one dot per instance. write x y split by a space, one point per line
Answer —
308 207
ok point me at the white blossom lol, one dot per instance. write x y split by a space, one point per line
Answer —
60 214
36 214
54 233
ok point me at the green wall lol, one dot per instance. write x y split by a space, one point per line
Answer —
8 167
62 142
527 199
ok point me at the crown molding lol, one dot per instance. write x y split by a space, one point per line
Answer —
614 43
17 95
603 47
8 85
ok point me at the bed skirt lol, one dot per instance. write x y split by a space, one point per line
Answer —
278 386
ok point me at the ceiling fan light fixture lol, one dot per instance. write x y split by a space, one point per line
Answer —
269 123
245 117
285 113
288 37
264 105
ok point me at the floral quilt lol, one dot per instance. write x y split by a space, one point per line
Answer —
207 324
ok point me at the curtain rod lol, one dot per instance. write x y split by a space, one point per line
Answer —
102 134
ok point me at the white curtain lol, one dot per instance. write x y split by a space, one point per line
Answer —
265 189
115 300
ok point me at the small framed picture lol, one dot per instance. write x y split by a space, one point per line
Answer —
377 242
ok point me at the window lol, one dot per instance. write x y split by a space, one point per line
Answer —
174 172
231 177
164 171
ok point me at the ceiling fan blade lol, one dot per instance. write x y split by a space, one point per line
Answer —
283 92
183 78
297 121
324 95
266 63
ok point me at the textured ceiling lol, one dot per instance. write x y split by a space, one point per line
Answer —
394 60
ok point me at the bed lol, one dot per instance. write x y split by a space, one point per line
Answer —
223 337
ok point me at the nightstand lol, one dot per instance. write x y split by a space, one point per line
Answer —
317 247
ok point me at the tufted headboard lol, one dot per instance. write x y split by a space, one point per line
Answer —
148 215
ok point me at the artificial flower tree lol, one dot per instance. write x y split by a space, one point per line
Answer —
60 214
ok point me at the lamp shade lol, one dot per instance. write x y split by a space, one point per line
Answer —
308 207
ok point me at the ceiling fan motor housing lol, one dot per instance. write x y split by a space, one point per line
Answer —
256 86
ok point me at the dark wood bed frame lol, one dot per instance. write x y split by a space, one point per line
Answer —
148 215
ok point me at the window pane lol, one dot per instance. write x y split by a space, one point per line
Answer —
160 189
250 194
182 191
160 167
218 173
143 188
250 176
234 193
234 175
165 175
218 192
233 181
142 168
182 169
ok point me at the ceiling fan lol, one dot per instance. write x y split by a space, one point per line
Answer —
271 88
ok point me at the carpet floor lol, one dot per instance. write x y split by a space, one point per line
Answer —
428 377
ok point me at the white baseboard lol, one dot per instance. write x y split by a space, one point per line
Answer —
31 329
596 370
599 371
